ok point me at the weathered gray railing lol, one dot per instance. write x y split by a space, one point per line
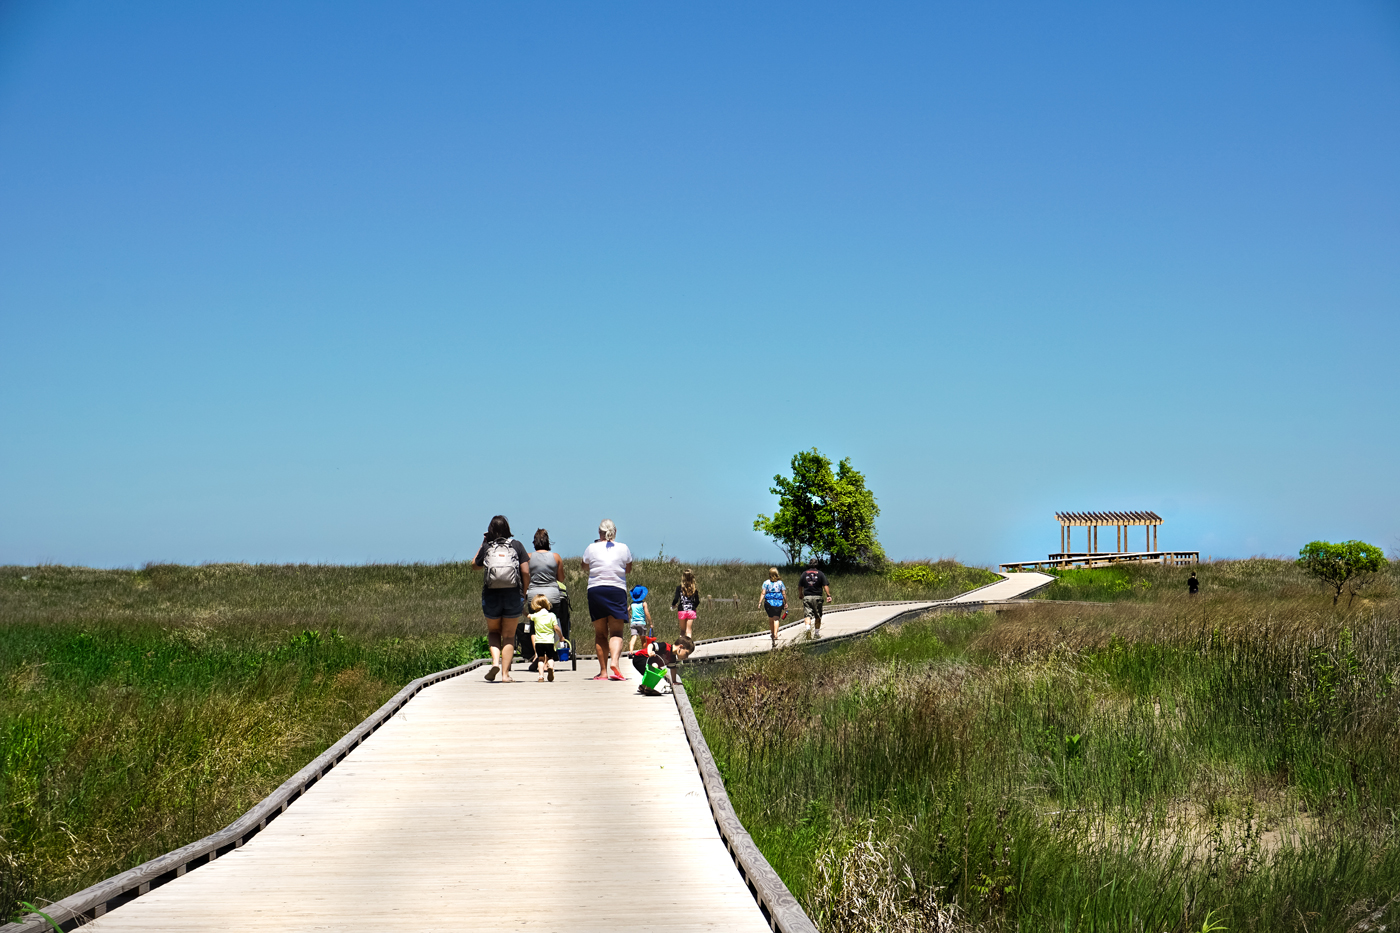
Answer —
779 907
76 909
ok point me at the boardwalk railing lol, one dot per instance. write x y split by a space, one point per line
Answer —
76 909
1104 559
779 907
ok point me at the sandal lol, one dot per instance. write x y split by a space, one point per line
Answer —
491 674
599 677
551 676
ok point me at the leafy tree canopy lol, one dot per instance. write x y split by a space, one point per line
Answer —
1339 564
826 514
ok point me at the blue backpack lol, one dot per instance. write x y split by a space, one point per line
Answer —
773 593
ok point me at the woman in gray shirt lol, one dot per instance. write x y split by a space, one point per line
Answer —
546 573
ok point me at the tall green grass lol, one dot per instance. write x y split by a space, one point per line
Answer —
399 600
121 742
1140 767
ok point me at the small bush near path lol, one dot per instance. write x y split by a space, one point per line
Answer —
1160 763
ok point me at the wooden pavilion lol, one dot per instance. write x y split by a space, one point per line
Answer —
1093 521
1091 556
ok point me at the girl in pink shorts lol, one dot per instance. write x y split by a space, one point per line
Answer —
686 602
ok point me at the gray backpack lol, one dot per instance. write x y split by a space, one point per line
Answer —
502 565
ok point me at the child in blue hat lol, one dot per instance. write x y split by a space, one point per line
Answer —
640 621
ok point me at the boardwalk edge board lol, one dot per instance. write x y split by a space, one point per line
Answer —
92 902
776 902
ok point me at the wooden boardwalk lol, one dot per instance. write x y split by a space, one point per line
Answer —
486 806
844 623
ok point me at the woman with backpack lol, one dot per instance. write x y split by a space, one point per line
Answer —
607 562
773 599
507 577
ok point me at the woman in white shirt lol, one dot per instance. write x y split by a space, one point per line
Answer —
607 562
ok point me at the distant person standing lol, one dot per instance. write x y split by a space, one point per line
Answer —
546 573
814 585
773 598
686 603
607 562
503 589
1193 585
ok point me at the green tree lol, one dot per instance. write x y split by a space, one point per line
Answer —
1339 564
830 515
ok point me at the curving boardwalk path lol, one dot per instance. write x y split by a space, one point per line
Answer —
484 806
843 623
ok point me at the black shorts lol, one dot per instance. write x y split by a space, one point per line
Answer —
607 602
546 649
772 610
503 603
643 661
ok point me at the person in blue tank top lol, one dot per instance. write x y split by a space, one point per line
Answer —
773 599
640 620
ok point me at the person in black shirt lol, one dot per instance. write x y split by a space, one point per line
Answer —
813 585
1192 585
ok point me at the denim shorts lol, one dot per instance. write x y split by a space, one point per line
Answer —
607 602
504 603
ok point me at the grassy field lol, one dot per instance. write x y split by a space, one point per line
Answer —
1269 578
146 708
1158 763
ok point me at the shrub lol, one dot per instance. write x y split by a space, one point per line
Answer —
1339 564
915 575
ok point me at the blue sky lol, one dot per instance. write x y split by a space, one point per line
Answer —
339 281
